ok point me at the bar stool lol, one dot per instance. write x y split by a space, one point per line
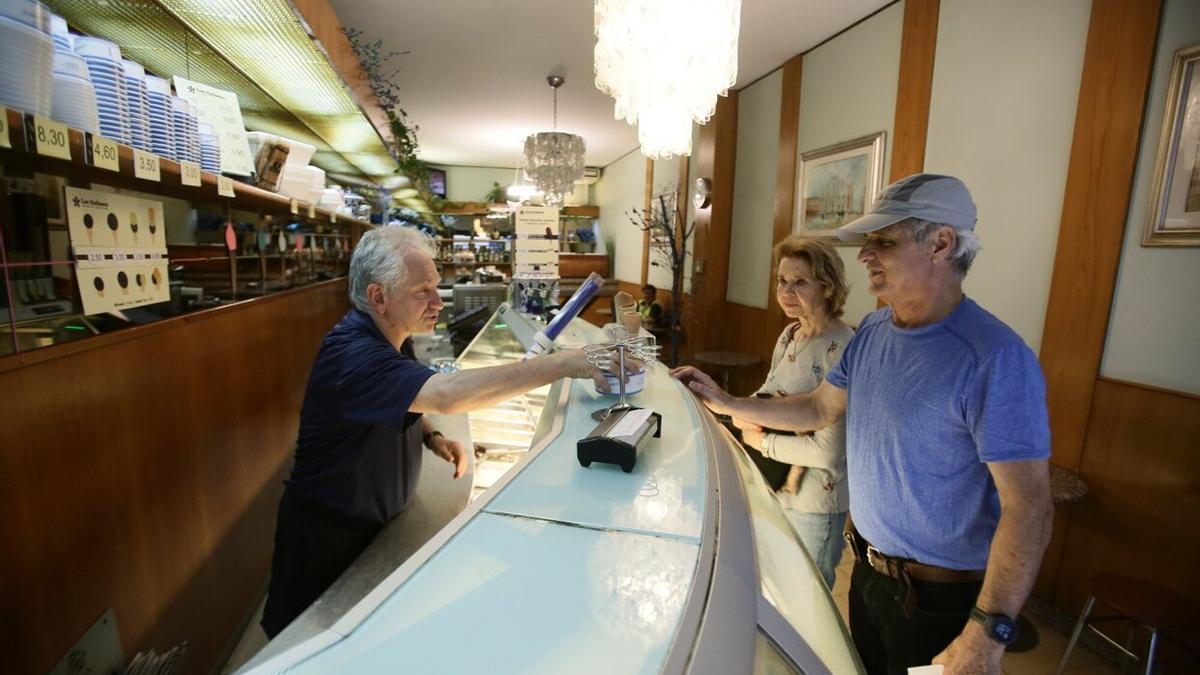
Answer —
1160 611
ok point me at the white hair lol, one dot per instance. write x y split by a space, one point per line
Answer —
379 258
966 244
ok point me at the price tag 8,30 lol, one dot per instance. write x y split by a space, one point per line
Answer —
225 186
105 154
189 173
52 137
4 142
145 166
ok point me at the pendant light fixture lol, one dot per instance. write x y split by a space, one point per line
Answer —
553 159
665 62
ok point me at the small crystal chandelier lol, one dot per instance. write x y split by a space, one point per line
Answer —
665 62
554 160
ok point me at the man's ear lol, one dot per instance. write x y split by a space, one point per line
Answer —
375 296
944 241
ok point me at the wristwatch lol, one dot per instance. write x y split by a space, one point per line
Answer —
999 627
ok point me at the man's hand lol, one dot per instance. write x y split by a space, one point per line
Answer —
451 451
576 365
971 653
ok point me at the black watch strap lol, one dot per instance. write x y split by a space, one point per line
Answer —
427 439
999 627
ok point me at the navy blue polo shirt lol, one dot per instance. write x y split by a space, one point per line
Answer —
359 448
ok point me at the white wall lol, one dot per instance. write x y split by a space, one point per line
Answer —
1002 113
621 189
847 90
1154 330
472 183
754 180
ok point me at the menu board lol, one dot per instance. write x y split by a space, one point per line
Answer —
120 250
220 109
535 249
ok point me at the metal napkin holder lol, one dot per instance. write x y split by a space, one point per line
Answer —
617 441
623 429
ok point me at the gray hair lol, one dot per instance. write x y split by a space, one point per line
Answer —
379 258
966 244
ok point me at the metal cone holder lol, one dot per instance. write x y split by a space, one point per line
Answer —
610 357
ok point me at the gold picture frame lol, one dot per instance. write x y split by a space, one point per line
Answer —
838 183
1174 218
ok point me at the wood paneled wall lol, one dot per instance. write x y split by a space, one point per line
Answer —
141 471
1141 462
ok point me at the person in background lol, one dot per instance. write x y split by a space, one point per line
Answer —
362 428
649 307
947 443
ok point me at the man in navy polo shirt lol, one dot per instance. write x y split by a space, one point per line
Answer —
358 454
947 439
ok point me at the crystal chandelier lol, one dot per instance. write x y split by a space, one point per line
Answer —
554 160
665 62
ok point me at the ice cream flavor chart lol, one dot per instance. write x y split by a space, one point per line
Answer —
120 248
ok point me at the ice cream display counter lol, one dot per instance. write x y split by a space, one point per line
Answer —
685 564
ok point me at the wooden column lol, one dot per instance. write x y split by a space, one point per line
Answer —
1112 93
649 194
910 128
785 179
715 154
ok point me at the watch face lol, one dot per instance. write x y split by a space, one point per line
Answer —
1003 629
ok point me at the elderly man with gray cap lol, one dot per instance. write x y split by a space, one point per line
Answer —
947 442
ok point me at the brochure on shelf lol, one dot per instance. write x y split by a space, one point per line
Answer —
120 249
220 109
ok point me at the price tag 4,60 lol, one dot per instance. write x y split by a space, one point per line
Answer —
189 173
145 166
4 142
105 154
225 186
52 138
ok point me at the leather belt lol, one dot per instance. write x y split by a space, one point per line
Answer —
899 568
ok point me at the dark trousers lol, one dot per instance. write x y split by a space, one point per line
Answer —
313 547
889 642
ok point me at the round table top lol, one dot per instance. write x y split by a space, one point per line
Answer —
728 359
1066 486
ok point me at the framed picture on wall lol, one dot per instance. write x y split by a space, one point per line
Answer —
838 183
1175 193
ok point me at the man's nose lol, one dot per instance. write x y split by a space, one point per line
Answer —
867 251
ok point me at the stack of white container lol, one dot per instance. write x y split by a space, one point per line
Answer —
210 149
162 119
187 131
297 180
107 74
26 56
138 99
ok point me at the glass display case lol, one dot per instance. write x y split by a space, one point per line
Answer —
685 564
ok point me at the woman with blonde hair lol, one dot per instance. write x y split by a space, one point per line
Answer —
811 289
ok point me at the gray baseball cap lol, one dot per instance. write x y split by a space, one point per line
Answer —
928 196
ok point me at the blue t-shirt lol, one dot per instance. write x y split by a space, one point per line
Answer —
359 448
926 408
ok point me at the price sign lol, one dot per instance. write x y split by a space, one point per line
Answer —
4 142
312 210
52 138
333 216
118 256
105 154
145 166
189 174
225 186
95 257
295 207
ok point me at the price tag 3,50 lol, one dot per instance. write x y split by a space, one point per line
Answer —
145 166
105 154
51 137
225 186
189 173
4 142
